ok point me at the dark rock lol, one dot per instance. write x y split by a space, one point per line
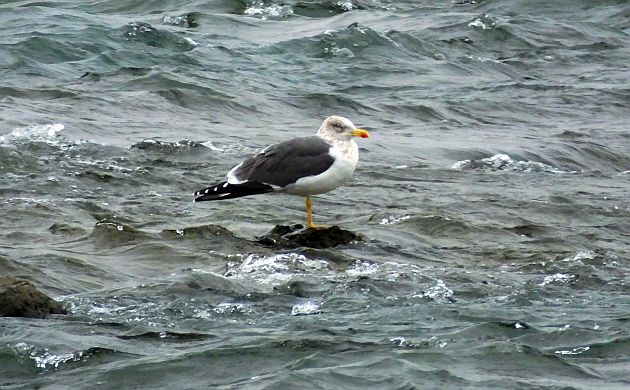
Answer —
19 298
203 231
282 236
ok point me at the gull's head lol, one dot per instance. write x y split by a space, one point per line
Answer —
340 128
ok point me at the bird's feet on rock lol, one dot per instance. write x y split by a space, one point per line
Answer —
313 226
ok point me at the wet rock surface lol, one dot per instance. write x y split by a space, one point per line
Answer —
283 236
19 298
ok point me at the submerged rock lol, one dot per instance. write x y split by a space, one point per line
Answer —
283 236
19 298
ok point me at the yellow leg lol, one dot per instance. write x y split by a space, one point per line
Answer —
309 213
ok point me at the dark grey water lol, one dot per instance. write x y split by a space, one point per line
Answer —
493 194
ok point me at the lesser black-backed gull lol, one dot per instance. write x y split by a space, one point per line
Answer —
302 166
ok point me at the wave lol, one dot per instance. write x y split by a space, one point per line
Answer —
44 50
503 162
24 358
570 152
114 233
143 32
36 93
275 10
352 41
163 336
177 90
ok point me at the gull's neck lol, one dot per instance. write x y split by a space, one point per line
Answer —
333 140
348 148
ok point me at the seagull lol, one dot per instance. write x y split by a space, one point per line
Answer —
302 166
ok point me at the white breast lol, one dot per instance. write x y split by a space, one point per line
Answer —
346 155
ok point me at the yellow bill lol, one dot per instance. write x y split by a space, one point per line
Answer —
360 133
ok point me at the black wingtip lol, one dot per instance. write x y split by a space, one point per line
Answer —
228 191
209 193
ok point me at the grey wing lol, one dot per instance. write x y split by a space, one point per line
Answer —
286 162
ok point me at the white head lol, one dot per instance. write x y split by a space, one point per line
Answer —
340 128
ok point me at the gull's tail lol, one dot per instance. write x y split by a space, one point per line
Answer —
226 190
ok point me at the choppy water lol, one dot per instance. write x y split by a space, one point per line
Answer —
493 194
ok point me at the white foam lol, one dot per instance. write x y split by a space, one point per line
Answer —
273 270
45 133
431 342
231 308
345 5
43 358
557 279
176 20
394 271
391 220
478 23
191 41
26 200
437 291
363 268
49 359
485 23
503 162
111 166
584 255
306 308
273 11
235 149
336 51
574 351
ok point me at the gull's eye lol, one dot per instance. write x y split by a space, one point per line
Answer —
339 127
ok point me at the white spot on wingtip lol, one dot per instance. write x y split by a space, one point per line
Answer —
225 185
215 189
207 189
